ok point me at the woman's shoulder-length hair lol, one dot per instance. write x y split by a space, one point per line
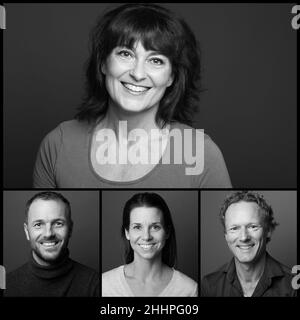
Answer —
159 30
151 200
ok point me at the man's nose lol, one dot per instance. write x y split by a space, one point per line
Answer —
138 71
244 235
48 231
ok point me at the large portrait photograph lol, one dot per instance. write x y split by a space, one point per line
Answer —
149 96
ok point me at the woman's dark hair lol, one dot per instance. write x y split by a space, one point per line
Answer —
159 30
151 200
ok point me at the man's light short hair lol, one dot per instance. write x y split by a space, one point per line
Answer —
249 196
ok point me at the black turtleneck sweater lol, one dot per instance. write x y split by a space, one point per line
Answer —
67 278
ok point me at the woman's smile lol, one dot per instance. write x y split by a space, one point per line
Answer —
135 89
136 79
146 232
146 247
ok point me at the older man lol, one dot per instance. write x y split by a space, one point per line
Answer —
248 223
50 271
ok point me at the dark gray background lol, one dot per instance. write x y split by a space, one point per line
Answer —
84 243
184 210
283 244
249 71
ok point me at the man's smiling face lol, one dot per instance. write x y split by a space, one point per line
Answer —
48 229
245 231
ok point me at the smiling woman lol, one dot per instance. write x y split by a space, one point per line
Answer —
150 253
145 75
144 71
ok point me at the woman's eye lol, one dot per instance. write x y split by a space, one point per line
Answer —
124 53
253 227
136 227
157 61
157 227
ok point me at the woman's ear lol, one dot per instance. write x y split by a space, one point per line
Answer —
170 81
126 234
103 68
167 234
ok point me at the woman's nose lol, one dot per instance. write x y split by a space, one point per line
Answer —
146 234
138 71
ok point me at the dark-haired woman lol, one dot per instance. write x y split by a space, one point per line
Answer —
132 129
150 255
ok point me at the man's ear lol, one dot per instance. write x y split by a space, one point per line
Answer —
26 231
70 228
269 233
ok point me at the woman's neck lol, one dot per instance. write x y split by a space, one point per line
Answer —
134 120
145 270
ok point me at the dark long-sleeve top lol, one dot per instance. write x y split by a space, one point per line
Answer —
67 278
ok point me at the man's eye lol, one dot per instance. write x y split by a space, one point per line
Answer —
254 227
59 224
37 225
233 229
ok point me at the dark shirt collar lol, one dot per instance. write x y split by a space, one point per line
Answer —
272 270
59 268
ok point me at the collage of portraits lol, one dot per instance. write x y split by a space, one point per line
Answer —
149 150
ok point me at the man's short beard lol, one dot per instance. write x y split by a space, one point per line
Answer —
51 260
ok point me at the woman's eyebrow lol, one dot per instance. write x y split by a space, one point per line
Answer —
153 52
155 222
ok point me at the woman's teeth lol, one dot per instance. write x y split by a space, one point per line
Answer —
133 88
146 246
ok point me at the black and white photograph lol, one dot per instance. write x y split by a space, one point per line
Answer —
51 243
248 243
149 159
150 243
